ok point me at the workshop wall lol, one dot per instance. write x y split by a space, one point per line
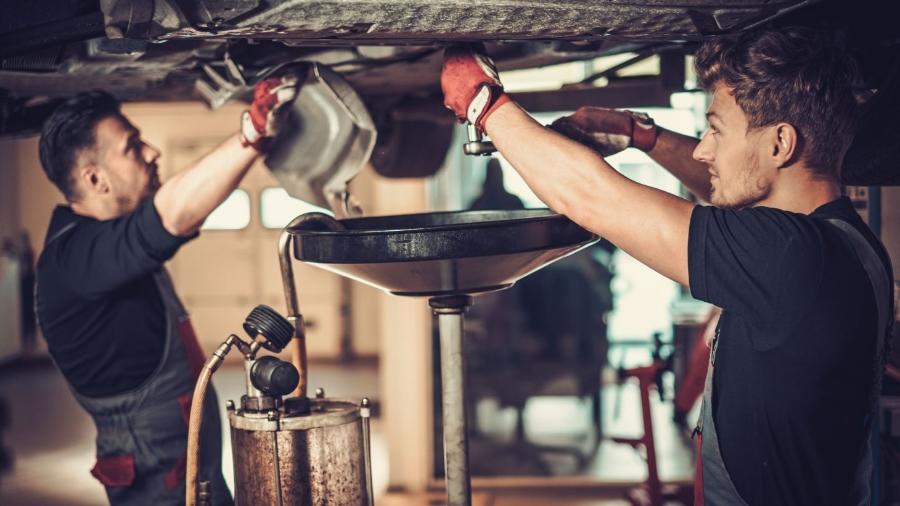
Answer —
26 201
33 196
9 202
10 313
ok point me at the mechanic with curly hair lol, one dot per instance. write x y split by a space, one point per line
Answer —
804 284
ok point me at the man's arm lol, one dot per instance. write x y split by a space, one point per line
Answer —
649 224
184 201
609 131
674 152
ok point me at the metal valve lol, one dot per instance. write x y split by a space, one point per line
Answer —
477 146
274 377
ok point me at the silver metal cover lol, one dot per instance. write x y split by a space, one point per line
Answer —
326 137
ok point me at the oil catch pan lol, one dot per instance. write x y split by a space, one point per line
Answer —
443 253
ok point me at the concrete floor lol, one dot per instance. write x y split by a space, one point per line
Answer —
53 441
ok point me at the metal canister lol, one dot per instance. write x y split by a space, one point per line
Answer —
314 459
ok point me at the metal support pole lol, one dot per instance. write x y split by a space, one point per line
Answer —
298 343
449 311
365 412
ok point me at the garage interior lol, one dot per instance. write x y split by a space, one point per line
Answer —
387 333
386 353
564 370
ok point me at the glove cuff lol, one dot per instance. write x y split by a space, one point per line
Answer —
249 136
643 131
486 101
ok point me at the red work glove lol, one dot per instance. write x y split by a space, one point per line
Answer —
258 124
608 131
471 86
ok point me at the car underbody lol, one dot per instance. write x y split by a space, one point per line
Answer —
389 51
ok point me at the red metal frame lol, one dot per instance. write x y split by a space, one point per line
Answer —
653 492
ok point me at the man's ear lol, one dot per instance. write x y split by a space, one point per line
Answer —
91 180
784 144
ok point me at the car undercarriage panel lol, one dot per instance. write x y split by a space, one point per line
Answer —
142 49
389 51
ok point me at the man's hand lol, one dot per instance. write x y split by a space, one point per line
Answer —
258 124
471 86
608 131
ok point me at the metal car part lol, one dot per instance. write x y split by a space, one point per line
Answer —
413 136
216 88
158 49
291 30
418 20
325 138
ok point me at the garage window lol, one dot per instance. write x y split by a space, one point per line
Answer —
277 208
232 214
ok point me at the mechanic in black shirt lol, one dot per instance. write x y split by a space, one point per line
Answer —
804 284
106 306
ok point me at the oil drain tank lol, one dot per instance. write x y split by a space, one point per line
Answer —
285 457
287 450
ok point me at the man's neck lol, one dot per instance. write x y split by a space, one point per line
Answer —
98 210
798 191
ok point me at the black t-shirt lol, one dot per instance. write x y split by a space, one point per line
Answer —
98 304
794 362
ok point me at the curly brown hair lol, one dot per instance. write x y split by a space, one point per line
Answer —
795 75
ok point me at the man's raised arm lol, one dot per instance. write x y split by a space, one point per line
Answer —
609 131
184 202
649 224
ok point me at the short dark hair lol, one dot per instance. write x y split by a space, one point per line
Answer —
70 130
796 75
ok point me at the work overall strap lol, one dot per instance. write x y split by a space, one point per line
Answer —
713 485
878 277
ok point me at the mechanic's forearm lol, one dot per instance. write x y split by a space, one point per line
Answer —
674 152
647 223
185 200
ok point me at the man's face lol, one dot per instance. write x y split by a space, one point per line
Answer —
732 153
128 162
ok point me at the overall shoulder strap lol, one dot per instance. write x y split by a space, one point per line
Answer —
878 278
56 235
874 267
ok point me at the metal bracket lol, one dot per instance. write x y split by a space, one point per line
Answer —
222 88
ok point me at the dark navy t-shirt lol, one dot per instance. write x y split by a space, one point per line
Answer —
98 304
793 367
